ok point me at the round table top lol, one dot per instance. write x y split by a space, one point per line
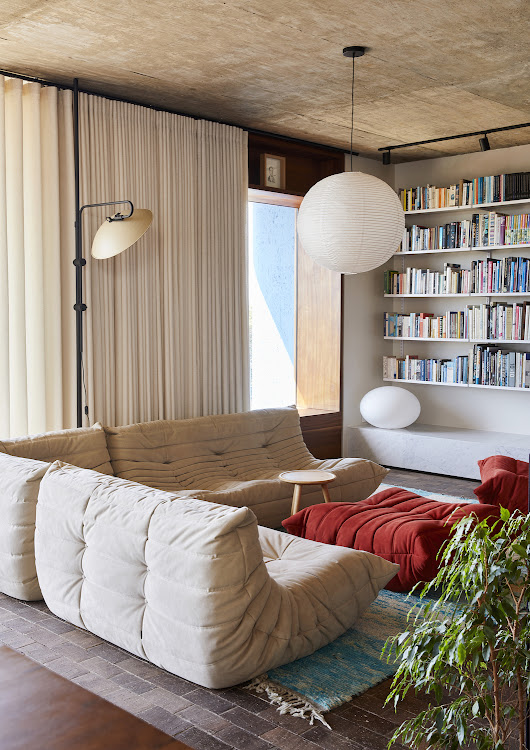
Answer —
312 476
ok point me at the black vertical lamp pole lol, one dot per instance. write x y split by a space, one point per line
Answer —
79 261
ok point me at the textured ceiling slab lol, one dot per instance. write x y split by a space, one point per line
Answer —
432 69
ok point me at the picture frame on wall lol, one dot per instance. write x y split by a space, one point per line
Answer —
273 171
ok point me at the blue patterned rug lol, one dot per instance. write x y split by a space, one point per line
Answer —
347 667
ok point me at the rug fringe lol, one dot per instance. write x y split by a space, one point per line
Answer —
288 701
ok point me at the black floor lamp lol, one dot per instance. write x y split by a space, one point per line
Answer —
116 234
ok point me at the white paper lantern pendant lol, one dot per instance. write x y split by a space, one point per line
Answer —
351 222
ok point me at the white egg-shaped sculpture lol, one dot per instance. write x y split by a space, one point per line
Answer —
390 407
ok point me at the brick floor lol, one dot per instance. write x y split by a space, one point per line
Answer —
205 719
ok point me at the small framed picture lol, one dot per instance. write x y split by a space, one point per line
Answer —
273 171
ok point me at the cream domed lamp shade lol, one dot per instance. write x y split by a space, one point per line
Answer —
351 222
116 234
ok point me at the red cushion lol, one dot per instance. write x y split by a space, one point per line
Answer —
394 524
504 482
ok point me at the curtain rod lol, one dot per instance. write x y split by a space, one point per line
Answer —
254 131
453 137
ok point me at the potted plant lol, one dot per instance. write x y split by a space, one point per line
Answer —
469 648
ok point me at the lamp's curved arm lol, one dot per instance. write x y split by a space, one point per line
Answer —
118 216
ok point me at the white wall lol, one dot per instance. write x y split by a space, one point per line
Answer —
364 305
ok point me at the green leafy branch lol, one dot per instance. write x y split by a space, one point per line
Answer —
469 649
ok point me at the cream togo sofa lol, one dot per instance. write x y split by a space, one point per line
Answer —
231 459
195 587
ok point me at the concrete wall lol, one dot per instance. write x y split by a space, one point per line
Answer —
364 306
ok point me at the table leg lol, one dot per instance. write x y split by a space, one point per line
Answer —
325 492
296 499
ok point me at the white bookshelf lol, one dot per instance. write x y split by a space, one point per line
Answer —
454 385
424 382
508 207
474 207
481 249
457 340
471 294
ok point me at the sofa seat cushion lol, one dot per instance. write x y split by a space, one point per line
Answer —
395 524
85 447
504 483
185 584
234 459
326 590
19 486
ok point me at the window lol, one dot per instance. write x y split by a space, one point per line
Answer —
295 313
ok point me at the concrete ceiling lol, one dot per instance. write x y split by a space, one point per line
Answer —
433 69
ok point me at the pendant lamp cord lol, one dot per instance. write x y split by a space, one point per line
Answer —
351 130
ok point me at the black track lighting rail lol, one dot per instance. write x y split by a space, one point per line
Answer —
388 149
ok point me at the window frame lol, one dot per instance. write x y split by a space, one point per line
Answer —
322 431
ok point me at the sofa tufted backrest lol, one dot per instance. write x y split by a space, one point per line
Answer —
85 447
19 487
183 582
209 453
196 588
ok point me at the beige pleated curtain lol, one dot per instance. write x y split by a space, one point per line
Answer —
37 355
167 321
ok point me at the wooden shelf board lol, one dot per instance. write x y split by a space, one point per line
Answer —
474 207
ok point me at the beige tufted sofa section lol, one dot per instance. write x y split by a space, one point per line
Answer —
23 462
235 459
196 588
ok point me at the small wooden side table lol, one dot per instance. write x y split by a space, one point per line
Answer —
300 478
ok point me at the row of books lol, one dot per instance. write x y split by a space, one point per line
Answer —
489 276
482 230
451 325
499 321
489 189
496 321
452 280
454 370
485 365
510 274
490 365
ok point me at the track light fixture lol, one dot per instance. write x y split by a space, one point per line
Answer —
484 143
386 158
